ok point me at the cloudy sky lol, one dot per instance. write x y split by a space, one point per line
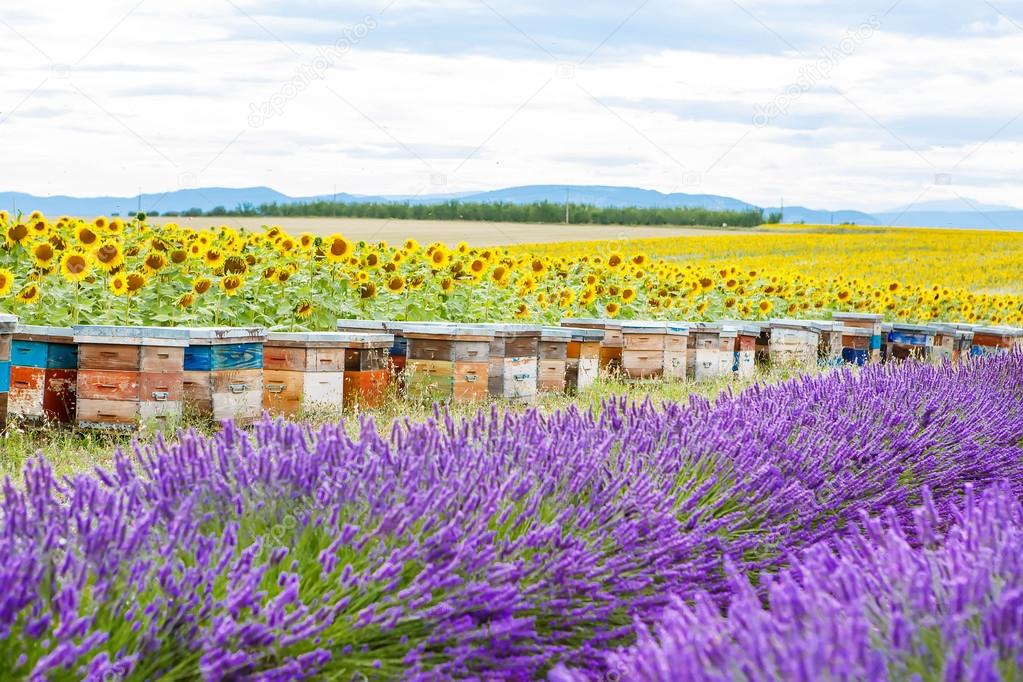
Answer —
867 105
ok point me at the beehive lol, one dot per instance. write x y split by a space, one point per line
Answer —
583 365
713 351
447 362
7 326
910 342
44 374
367 369
398 352
829 352
856 345
514 362
552 368
304 371
643 346
676 350
944 344
865 321
224 373
794 343
994 340
744 347
129 376
612 343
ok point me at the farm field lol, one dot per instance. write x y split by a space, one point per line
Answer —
450 232
814 520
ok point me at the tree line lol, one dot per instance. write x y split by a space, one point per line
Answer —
538 212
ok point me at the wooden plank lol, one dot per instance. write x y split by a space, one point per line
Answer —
280 358
237 394
470 381
197 391
5 377
587 372
26 395
328 360
5 347
161 415
161 387
92 413
59 395
522 347
430 367
323 390
28 354
3 409
610 358
644 342
282 391
675 342
366 389
643 364
365 359
707 364
162 359
109 357
517 379
62 356
675 364
551 376
95 384
554 350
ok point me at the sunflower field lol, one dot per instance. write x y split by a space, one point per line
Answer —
129 272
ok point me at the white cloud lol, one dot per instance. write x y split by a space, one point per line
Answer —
165 94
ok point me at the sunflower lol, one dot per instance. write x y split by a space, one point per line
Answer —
447 285
612 309
201 285
478 267
368 290
118 284
28 295
135 280
43 254
85 235
615 260
538 266
522 312
75 266
6 281
231 284
339 249
500 275
236 265
178 256
153 263
765 306
108 256
99 222
186 300
304 309
17 234
306 240
213 258
439 258
628 295
283 276
396 284
411 245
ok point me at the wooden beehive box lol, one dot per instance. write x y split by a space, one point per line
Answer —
911 341
643 346
829 352
397 353
868 321
709 360
367 369
44 374
582 368
129 376
611 345
794 343
448 362
514 362
224 373
552 370
856 345
7 326
676 350
744 363
993 340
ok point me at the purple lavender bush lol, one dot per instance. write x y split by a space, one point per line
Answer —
870 605
497 547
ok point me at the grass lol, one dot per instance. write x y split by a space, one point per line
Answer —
71 452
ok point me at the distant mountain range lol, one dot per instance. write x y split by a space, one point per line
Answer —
959 213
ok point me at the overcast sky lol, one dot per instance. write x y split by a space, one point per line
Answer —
866 105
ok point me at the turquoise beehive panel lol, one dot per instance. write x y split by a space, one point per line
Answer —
29 353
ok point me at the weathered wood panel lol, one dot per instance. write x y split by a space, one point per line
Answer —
160 359
95 384
59 395
26 394
109 357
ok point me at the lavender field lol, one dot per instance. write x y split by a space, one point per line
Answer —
857 525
